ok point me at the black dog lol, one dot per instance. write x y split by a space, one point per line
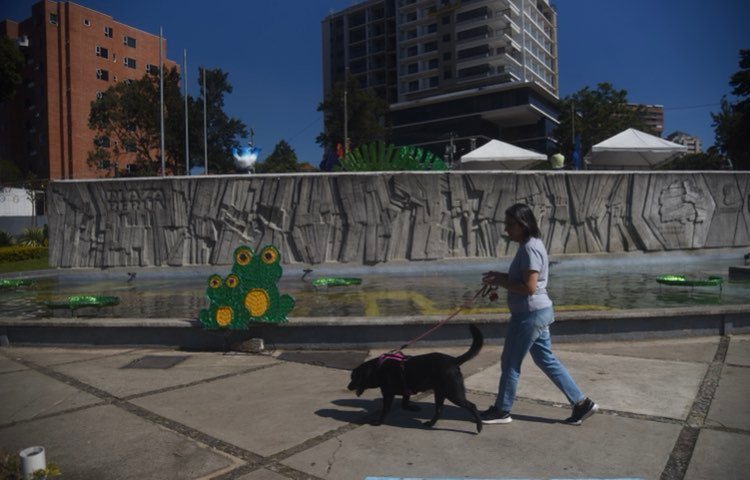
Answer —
409 375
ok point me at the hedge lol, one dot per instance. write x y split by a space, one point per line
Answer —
17 253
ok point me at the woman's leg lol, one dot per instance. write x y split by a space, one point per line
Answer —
518 340
541 352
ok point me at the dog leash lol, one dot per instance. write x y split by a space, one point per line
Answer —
486 289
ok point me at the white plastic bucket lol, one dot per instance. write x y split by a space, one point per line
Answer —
32 459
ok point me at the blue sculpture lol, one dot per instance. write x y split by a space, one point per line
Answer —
245 157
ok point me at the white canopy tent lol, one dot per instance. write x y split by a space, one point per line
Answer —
632 150
497 155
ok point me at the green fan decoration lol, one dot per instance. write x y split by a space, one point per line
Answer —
249 294
378 157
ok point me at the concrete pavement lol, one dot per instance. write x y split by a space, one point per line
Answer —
670 408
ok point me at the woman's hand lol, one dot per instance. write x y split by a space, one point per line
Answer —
496 279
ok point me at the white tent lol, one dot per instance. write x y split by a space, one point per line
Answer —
632 150
497 155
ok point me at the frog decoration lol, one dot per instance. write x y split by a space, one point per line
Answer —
248 294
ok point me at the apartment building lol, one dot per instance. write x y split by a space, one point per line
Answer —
692 143
72 55
652 116
457 73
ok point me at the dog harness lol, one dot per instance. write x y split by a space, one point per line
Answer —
401 359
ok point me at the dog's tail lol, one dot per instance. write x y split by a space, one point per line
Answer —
476 345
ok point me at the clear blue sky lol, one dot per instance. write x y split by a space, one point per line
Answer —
675 53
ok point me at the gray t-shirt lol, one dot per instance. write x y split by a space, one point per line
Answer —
531 255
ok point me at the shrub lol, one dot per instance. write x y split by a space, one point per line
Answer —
33 237
6 239
17 253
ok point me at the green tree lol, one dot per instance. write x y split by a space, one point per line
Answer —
732 123
596 115
126 120
367 121
11 63
223 132
709 160
127 123
283 159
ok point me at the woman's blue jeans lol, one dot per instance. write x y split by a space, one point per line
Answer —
529 332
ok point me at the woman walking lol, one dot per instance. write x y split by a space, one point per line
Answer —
530 317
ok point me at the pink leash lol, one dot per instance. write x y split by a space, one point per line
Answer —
486 289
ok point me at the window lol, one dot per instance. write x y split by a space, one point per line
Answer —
151 68
129 62
108 32
102 52
102 141
413 86
129 41
102 74
53 18
129 145
86 22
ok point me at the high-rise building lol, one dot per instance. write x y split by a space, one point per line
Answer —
72 54
692 143
455 73
652 117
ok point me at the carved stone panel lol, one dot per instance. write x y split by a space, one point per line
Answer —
372 218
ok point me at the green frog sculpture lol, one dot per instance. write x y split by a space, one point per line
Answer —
249 294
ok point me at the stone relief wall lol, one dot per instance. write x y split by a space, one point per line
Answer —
380 217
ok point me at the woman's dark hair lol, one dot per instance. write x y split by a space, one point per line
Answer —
521 213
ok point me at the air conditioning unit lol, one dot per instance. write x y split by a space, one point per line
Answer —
23 41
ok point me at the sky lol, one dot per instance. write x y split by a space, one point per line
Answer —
675 53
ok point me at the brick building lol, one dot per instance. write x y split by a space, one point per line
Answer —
72 55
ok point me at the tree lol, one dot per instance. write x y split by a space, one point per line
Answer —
127 123
283 159
709 160
732 123
223 131
598 114
367 116
11 63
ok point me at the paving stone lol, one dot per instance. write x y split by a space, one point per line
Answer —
720 455
7 365
256 411
29 394
701 349
263 474
731 404
739 350
109 375
644 386
47 356
534 445
106 442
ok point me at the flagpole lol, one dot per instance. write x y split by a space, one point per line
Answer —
161 99
184 81
205 129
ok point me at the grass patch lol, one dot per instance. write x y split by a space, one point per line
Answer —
26 265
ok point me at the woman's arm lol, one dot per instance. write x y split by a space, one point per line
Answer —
528 287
